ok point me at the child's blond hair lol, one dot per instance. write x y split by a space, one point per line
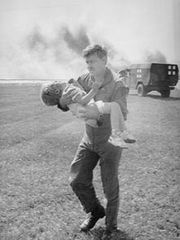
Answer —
51 93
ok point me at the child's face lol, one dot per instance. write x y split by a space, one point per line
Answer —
52 93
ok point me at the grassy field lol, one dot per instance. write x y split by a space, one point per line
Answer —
38 143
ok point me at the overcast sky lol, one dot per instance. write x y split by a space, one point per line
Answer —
32 43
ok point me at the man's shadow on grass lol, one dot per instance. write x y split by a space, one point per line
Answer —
97 234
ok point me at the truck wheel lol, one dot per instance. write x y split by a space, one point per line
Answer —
165 93
141 90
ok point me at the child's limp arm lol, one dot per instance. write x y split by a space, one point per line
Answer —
87 98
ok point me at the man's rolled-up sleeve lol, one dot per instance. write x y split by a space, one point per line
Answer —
119 95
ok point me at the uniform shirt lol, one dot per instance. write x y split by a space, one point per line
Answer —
112 90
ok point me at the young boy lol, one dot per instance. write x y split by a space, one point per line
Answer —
51 95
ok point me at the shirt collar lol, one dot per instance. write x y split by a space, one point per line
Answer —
108 77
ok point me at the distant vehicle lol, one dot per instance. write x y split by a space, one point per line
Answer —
153 77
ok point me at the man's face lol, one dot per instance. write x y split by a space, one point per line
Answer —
95 65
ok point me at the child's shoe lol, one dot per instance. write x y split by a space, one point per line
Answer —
128 137
116 139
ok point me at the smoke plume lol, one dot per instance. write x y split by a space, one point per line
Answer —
41 55
155 56
78 42
65 49
36 40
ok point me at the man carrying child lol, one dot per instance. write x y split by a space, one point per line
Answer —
96 145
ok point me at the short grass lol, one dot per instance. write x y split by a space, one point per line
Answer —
37 145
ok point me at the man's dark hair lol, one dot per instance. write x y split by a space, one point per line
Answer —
95 49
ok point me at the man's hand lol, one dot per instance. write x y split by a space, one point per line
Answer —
89 113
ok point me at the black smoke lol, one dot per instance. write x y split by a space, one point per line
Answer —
64 49
76 42
63 40
154 57
36 40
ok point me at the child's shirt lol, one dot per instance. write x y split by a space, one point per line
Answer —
78 91
75 107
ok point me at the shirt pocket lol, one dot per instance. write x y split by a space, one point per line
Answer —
104 94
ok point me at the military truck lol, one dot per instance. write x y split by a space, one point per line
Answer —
161 77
